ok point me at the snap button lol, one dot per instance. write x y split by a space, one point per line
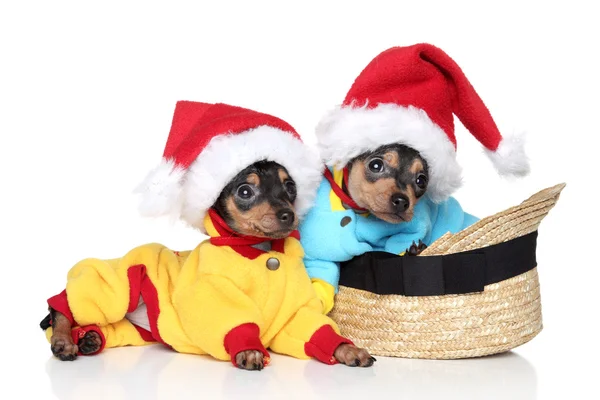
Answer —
273 263
345 221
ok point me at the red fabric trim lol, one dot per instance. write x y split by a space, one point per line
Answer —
135 276
278 246
140 283
295 235
242 244
146 335
345 173
339 192
79 333
244 337
60 303
229 234
323 343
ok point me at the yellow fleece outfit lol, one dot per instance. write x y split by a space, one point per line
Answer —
216 299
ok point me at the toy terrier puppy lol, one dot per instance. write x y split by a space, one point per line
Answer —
259 202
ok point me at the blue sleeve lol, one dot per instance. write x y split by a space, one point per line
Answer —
328 238
327 271
326 243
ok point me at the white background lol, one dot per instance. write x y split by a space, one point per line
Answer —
87 92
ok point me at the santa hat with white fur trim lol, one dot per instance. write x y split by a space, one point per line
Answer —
409 95
208 145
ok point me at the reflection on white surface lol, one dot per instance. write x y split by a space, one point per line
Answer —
154 372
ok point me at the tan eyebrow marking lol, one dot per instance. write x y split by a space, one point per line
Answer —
391 157
253 179
283 176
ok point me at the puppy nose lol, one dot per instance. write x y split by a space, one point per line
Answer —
286 217
400 202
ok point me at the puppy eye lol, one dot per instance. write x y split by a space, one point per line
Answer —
376 165
421 181
290 186
245 192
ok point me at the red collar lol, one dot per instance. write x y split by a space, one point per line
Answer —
240 243
344 197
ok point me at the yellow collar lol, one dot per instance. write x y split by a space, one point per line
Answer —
209 226
334 200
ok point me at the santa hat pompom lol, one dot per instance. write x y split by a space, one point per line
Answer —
510 158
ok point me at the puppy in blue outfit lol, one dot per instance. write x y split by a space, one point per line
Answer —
390 152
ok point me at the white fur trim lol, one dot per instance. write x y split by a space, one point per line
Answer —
510 158
346 132
225 156
161 191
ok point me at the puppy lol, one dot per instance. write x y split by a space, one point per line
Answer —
256 204
377 202
388 182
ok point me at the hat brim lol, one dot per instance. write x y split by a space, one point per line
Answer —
189 194
346 132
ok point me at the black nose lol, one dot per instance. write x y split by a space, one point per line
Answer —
400 202
286 217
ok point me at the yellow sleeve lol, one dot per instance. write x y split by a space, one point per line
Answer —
309 334
325 293
212 307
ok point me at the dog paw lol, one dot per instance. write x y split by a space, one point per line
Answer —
62 347
416 249
250 360
89 343
353 356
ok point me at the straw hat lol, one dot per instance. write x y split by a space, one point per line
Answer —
504 315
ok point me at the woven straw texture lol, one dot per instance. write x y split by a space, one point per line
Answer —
505 315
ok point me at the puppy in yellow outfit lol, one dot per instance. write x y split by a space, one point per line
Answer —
243 178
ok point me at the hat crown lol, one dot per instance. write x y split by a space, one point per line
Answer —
186 115
196 124
406 76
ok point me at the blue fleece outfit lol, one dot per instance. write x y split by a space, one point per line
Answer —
331 234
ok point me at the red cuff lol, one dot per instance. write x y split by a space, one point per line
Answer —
323 343
146 335
242 338
78 333
61 304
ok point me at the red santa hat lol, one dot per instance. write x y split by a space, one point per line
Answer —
208 145
409 95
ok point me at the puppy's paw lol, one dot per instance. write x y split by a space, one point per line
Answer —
62 346
416 249
89 343
353 356
250 360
